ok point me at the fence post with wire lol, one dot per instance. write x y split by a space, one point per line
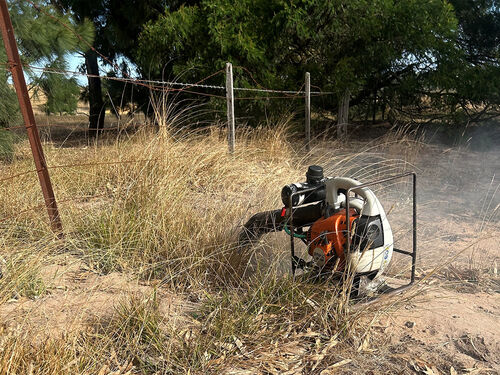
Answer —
230 107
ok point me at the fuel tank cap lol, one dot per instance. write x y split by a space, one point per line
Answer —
314 174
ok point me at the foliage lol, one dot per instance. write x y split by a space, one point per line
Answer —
428 57
9 106
360 45
473 81
62 93
6 145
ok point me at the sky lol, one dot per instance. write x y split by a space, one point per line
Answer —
74 60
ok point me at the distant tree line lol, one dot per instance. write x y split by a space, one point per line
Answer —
419 60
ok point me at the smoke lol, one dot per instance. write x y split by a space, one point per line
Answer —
458 196
458 189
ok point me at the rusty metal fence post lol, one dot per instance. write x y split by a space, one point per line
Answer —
16 69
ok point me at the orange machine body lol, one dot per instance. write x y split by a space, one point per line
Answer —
327 238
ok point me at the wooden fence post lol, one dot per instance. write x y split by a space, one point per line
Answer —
308 111
230 107
15 67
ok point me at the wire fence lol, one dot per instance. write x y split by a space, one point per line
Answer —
165 86
170 85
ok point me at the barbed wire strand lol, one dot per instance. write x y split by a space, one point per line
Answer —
185 86
43 205
262 88
158 85
81 165
17 175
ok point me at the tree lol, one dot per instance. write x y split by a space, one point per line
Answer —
125 20
91 10
356 45
470 84
62 93
42 41
117 24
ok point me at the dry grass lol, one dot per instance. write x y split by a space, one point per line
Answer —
167 216
168 213
25 263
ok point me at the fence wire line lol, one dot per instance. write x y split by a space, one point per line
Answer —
131 80
80 165
82 39
147 83
17 175
43 205
161 83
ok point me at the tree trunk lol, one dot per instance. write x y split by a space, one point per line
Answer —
374 109
343 115
367 113
384 105
97 110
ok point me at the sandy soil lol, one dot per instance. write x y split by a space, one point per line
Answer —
444 328
77 296
454 324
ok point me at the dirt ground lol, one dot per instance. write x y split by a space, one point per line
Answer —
78 296
453 326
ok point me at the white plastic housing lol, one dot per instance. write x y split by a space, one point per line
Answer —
371 259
